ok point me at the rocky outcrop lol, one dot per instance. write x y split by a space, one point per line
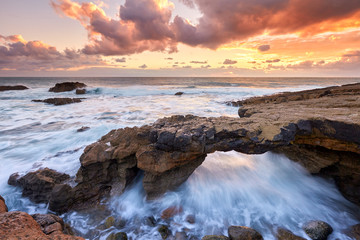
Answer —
3 207
38 185
59 101
243 233
321 135
11 88
66 86
179 93
317 230
350 89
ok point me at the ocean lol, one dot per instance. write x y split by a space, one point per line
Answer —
260 191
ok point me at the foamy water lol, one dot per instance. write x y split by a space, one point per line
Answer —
261 191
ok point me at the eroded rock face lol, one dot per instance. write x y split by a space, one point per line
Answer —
66 86
10 88
59 101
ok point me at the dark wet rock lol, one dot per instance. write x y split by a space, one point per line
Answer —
66 86
80 91
190 219
83 129
284 234
243 233
117 236
3 207
179 93
150 221
59 101
354 232
215 237
11 88
180 236
20 225
38 185
13 179
164 231
109 222
317 230
170 212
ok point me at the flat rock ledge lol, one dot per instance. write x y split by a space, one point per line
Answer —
324 138
59 101
11 88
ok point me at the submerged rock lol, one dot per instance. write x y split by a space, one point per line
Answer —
11 88
3 207
284 234
80 91
354 232
215 237
66 86
190 219
117 236
109 222
83 129
243 233
59 101
171 212
164 231
317 230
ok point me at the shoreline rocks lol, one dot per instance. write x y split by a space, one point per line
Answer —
66 86
59 101
169 150
12 88
317 230
20 225
243 233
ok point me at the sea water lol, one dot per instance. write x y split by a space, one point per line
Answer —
260 191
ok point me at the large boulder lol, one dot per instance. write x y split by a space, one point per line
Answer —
243 233
10 88
38 185
20 225
317 230
3 207
59 101
66 86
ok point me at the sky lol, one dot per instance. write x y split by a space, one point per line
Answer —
172 38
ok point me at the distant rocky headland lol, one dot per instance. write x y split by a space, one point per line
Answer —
318 128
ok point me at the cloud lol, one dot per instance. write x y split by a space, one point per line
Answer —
199 62
19 54
147 25
273 61
120 60
206 66
143 26
143 66
229 61
264 48
169 58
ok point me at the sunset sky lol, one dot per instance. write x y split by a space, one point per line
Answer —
180 38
